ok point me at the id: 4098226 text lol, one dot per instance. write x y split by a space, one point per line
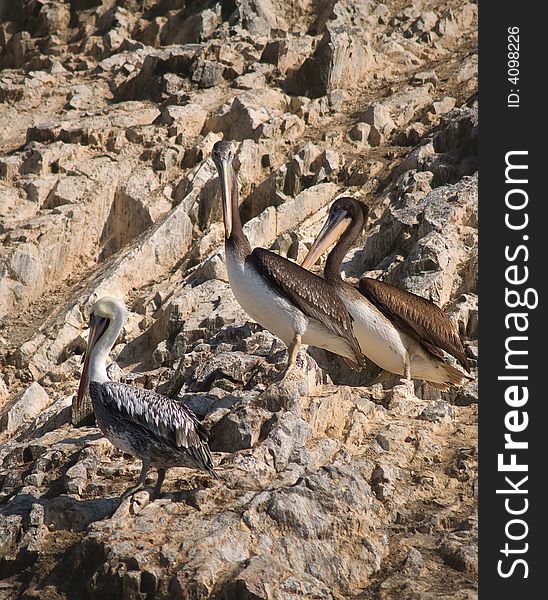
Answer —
512 66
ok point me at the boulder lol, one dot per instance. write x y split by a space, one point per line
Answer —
341 60
23 407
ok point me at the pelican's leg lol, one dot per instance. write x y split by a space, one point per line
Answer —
407 368
293 350
273 349
159 481
140 482
406 379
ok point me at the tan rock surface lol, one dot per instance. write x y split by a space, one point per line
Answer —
108 113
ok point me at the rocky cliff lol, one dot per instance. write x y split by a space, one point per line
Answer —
332 484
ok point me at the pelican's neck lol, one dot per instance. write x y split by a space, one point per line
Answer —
101 350
332 269
237 241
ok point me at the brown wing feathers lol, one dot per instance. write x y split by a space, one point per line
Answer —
418 317
312 294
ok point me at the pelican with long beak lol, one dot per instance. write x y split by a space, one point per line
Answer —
399 331
160 431
295 305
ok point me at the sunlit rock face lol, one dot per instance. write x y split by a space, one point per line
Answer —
332 483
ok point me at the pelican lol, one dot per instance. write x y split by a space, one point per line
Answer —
160 431
295 305
401 332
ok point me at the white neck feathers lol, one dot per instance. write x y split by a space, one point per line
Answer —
101 350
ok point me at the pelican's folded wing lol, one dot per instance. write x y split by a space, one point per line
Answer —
164 418
312 294
418 317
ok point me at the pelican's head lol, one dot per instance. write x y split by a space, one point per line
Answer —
103 312
342 213
222 156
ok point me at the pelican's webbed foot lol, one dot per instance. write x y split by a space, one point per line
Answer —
140 482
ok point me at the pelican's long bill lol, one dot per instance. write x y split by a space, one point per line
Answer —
334 227
222 157
98 326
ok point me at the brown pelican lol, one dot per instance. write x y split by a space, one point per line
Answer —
292 303
399 331
160 431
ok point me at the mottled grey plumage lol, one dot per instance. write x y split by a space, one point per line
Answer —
417 316
312 294
159 430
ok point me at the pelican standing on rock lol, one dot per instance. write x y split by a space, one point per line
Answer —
160 431
292 303
401 332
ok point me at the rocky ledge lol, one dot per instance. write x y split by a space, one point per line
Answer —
332 484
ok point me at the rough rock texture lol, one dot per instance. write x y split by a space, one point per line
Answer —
333 484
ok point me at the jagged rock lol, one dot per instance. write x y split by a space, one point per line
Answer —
257 17
452 152
315 110
262 577
329 163
451 22
440 411
252 80
193 29
293 212
107 122
238 430
458 136
23 407
341 60
189 119
147 83
136 198
464 313
378 118
412 134
425 77
249 161
207 73
414 562
39 189
463 557
444 106
468 70
247 113
81 97
41 159
424 23
406 105
263 228
25 264
301 169
4 393
337 98
96 129
226 371
432 249
10 166
360 133
286 53
292 127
